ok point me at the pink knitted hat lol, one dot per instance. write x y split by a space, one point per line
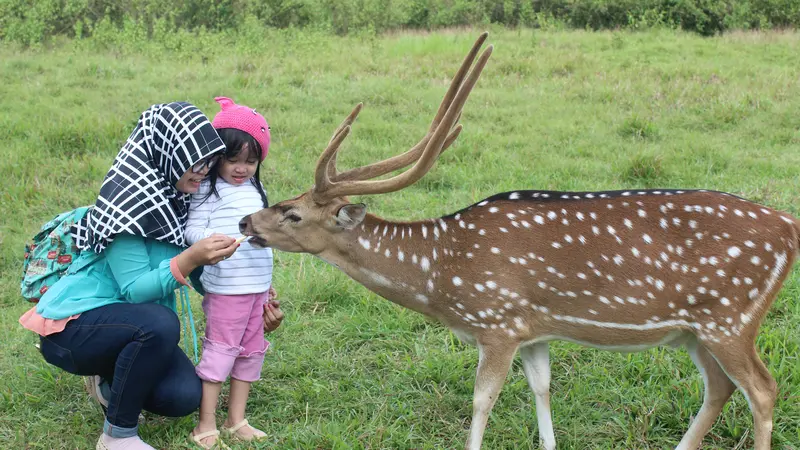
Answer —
243 118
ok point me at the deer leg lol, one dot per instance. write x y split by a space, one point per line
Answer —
745 369
717 389
536 365
493 365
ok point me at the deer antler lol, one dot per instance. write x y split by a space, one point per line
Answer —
347 122
442 133
397 162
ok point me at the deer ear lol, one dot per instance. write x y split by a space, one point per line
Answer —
351 215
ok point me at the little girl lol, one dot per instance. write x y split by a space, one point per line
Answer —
237 288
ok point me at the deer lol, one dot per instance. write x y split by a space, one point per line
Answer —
623 270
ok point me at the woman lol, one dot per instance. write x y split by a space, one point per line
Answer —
113 314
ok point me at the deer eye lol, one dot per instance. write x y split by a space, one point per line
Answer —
292 217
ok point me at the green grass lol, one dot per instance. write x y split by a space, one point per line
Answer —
553 110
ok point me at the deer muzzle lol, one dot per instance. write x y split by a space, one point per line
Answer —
245 225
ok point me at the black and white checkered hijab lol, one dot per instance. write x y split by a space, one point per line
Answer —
138 195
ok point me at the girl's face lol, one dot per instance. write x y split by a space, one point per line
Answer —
238 169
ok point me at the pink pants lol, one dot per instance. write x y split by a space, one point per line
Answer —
234 343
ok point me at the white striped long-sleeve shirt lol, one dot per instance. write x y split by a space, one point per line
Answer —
249 269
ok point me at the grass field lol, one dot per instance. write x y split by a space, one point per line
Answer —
553 110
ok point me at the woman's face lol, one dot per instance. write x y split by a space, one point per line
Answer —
190 181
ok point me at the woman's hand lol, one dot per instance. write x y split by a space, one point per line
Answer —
273 316
271 294
206 252
214 249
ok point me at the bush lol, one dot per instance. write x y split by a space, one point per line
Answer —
33 21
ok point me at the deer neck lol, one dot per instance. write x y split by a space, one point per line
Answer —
396 260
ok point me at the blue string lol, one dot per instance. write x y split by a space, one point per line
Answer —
188 318
185 317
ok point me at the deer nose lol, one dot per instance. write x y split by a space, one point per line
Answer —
244 224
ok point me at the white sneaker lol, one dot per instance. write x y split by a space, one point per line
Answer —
130 443
92 384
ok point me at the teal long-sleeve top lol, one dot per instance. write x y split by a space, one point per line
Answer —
132 269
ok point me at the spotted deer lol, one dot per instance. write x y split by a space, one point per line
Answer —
620 270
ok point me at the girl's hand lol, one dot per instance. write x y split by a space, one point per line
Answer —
271 294
273 316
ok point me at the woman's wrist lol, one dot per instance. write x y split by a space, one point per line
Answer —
176 272
186 262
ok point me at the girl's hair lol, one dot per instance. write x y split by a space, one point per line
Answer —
234 141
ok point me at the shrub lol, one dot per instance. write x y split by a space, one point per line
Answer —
32 21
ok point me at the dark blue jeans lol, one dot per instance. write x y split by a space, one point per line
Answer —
134 347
